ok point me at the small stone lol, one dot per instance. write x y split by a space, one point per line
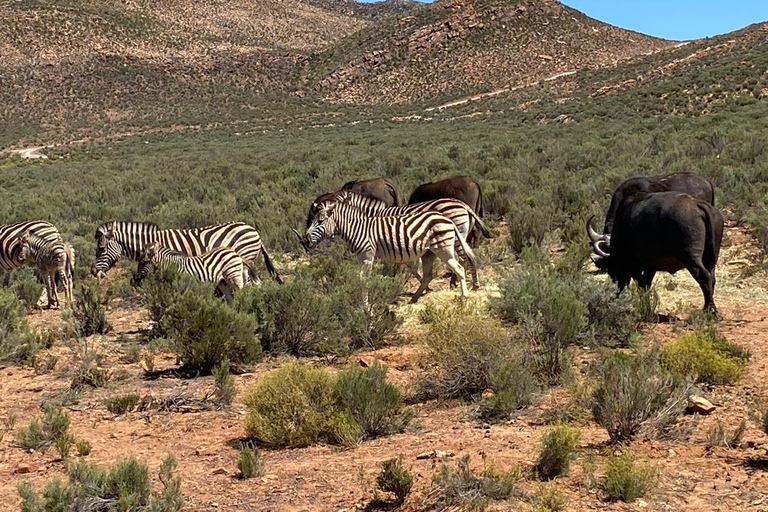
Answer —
201 451
113 435
23 468
700 405
642 503
488 393
672 452
219 471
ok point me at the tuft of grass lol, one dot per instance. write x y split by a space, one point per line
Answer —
645 302
250 461
718 435
626 479
513 387
41 433
83 447
90 376
395 478
558 449
704 357
464 489
89 314
119 405
225 383
64 444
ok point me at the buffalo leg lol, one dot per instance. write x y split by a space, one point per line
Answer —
706 280
646 279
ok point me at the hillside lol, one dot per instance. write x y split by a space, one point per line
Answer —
455 47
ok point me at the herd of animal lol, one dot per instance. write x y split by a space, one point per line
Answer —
658 224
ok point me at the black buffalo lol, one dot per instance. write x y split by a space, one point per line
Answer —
377 188
688 182
462 188
661 232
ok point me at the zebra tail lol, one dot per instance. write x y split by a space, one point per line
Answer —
270 266
479 223
468 252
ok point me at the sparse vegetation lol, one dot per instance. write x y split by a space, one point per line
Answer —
225 383
250 461
558 448
41 433
119 405
83 447
718 435
705 358
89 315
634 392
125 486
463 488
395 478
89 375
626 479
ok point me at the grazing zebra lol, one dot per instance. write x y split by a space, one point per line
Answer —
221 265
9 240
462 216
118 238
393 239
52 259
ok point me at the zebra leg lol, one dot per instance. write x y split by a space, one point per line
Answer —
471 265
457 269
66 282
53 294
427 260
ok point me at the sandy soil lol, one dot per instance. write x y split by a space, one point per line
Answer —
323 478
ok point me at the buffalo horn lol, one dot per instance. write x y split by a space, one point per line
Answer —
599 251
593 235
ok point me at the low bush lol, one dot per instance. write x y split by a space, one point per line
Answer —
546 306
296 406
225 383
548 499
463 489
41 433
119 405
204 331
633 391
250 462
375 404
124 487
626 479
704 357
24 283
17 343
89 314
719 436
558 449
64 444
83 447
162 287
395 478
513 388
88 375
645 302
466 348
611 320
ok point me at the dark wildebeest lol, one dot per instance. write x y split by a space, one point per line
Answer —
688 182
661 232
462 188
377 188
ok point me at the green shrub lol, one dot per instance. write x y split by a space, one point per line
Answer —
705 358
125 486
395 478
375 404
88 375
24 283
162 287
528 225
204 331
64 444
119 405
626 479
41 433
250 462
225 383
610 319
463 489
558 449
548 499
465 348
83 447
633 391
550 313
17 343
89 314
296 406
513 388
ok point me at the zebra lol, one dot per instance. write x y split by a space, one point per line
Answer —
52 259
220 265
459 212
9 240
393 239
117 239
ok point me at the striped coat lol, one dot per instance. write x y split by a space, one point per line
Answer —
9 239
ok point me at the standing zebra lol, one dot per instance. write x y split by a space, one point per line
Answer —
9 240
462 216
393 239
221 265
118 238
52 259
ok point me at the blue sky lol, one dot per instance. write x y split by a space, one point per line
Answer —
675 19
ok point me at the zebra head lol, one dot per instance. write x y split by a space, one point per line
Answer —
323 225
146 263
25 247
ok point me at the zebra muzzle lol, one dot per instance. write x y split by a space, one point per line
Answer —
304 243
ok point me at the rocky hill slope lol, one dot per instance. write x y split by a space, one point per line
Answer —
455 47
